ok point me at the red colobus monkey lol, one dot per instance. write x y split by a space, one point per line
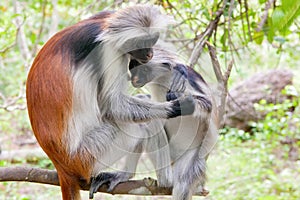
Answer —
190 138
75 92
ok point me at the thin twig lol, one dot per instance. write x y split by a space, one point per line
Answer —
265 15
204 37
39 35
54 19
222 81
8 47
10 104
215 63
228 71
21 38
247 19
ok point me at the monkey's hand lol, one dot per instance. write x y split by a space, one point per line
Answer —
171 96
181 106
112 179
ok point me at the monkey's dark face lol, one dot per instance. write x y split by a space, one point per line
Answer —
141 74
140 48
142 55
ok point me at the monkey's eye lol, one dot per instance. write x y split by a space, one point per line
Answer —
146 69
167 65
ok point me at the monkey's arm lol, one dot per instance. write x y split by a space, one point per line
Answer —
185 82
129 108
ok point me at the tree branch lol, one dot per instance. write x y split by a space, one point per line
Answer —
21 37
204 37
10 104
222 81
41 29
264 18
147 186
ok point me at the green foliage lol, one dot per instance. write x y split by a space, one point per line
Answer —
263 163
282 18
45 164
3 163
246 165
280 121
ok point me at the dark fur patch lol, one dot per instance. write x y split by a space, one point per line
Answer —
182 69
206 103
133 63
193 77
78 40
81 41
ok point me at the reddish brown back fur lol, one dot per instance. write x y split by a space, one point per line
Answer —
49 99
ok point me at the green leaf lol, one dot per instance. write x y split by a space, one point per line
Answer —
277 17
258 37
287 4
223 40
291 11
269 30
262 1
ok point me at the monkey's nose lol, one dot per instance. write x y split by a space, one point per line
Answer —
136 82
149 55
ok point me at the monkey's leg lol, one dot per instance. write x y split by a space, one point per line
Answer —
159 153
162 163
189 172
114 178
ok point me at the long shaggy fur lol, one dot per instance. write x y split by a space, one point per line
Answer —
75 97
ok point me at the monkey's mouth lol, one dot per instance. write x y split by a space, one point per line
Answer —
143 61
136 83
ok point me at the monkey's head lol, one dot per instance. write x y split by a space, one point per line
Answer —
159 67
140 48
141 74
135 30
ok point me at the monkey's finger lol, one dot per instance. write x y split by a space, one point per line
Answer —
94 188
185 106
112 185
97 182
170 96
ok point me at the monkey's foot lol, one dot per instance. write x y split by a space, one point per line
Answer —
202 191
112 179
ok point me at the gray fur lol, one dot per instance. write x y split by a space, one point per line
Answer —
100 84
191 138
104 123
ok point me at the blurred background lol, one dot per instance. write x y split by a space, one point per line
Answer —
257 156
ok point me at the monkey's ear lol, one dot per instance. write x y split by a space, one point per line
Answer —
167 65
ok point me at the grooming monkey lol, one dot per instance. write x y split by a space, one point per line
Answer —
76 102
190 138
